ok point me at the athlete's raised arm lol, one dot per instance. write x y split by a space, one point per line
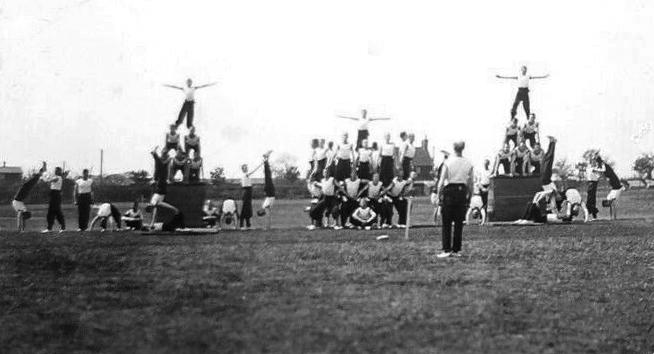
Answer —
506 77
540 77
379 118
173 86
205 85
347 117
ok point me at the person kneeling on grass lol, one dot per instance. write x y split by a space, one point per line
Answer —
211 214
133 218
571 206
106 211
363 216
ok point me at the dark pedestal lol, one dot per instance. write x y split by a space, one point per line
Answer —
189 199
508 196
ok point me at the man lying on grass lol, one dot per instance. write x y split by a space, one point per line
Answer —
553 207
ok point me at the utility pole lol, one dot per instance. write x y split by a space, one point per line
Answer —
101 163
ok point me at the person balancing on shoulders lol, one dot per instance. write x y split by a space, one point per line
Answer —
523 90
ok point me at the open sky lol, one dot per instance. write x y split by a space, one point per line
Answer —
80 76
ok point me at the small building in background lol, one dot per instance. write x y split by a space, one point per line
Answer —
10 174
423 162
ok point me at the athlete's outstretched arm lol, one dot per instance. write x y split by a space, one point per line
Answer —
347 117
205 85
506 77
540 77
173 86
380 118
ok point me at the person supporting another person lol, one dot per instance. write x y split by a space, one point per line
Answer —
344 156
133 218
160 177
195 171
18 203
387 163
54 206
504 157
363 216
363 161
83 197
536 159
364 121
192 142
520 163
456 186
523 90
172 141
179 164
512 133
530 131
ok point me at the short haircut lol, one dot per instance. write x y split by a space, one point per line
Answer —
459 146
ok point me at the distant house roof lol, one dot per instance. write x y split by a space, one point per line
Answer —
422 158
11 170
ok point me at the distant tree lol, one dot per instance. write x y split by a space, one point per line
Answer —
581 169
217 176
644 165
139 176
285 168
564 169
590 154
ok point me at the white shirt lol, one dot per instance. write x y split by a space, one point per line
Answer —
344 151
365 155
133 214
484 177
523 81
457 170
328 186
314 190
410 151
104 210
56 182
365 214
593 173
374 191
511 130
320 153
363 123
229 206
573 196
352 187
397 188
84 186
189 92
245 181
476 202
387 149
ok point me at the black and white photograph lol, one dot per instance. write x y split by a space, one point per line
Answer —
326 176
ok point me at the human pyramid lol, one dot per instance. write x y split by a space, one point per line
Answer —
358 185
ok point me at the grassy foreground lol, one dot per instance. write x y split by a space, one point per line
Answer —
539 289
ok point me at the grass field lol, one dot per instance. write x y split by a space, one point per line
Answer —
539 289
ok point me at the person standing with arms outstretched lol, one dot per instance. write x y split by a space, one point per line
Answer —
189 101
364 121
83 197
523 90
456 187
54 205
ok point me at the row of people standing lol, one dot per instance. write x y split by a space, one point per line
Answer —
365 159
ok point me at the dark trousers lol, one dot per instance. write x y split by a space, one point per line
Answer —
83 210
400 205
194 175
591 198
386 211
512 137
548 162
343 169
406 167
484 197
531 138
386 170
517 163
534 213
115 214
138 223
453 212
246 208
347 208
54 210
362 135
187 110
506 166
331 207
536 165
521 96
320 170
358 223
317 211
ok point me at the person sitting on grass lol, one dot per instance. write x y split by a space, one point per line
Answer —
133 218
330 191
211 214
476 208
19 207
571 206
363 216
228 214
106 211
